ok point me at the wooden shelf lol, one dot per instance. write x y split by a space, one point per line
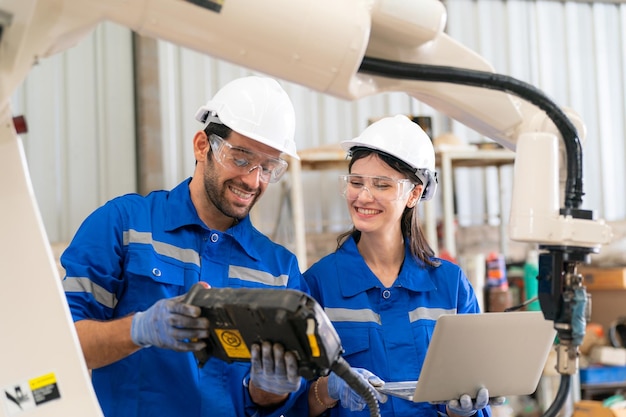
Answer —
449 159
332 157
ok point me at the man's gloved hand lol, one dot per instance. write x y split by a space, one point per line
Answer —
170 324
464 406
338 389
274 370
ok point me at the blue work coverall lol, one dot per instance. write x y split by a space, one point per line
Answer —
387 330
134 251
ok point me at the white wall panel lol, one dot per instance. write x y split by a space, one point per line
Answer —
80 146
582 93
611 110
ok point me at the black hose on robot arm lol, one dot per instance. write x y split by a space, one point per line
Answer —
493 81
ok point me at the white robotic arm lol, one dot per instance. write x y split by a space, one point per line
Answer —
349 49
321 44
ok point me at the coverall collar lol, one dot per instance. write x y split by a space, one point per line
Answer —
182 213
356 277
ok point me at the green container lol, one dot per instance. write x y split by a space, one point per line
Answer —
531 270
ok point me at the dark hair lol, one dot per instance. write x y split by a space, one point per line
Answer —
218 129
411 230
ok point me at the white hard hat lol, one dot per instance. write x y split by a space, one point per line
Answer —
256 107
405 140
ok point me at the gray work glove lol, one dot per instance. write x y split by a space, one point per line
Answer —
172 325
338 389
274 370
464 406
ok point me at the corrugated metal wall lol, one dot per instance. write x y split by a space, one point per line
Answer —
81 142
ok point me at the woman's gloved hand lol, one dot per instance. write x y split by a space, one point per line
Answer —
274 370
170 324
465 407
338 389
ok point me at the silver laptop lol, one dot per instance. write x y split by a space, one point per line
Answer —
503 352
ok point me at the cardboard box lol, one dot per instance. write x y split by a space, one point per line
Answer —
498 299
595 409
607 306
603 278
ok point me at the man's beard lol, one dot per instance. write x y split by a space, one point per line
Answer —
215 192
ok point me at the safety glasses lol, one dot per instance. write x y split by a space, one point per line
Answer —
379 188
243 161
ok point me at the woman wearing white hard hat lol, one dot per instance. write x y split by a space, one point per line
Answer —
383 288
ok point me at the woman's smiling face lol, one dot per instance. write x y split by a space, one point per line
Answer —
368 213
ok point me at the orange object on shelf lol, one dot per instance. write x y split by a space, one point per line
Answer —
496 271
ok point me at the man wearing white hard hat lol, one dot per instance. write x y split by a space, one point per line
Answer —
383 288
133 259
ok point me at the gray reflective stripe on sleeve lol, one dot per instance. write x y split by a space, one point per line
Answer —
101 295
254 275
363 315
423 313
165 249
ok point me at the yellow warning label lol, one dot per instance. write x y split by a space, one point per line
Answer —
310 332
233 343
315 349
42 381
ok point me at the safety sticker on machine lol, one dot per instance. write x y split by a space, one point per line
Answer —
29 394
233 343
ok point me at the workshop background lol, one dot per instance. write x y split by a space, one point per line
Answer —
115 114
94 133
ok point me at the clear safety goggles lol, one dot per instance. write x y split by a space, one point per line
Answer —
379 188
244 161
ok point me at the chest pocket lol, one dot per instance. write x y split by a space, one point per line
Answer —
422 334
149 277
150 266
355 341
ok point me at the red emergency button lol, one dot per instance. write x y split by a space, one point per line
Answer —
20 124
